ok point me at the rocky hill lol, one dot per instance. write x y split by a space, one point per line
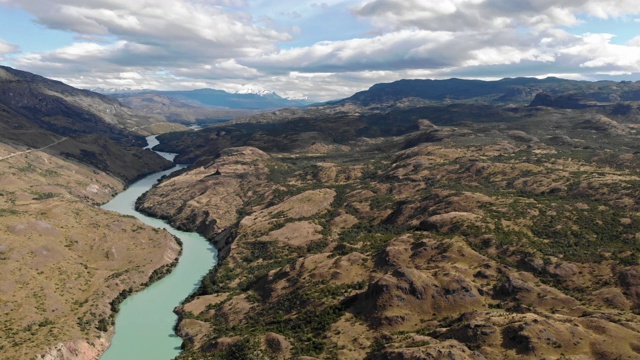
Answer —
437 231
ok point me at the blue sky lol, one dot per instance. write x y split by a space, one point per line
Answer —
624 28
319 49
19 28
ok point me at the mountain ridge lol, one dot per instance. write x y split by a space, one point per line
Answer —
495 91
214 98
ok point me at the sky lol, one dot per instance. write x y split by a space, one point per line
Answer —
318 49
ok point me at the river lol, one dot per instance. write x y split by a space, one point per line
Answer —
144 324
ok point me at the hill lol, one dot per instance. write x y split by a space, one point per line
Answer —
65 262
36 112
395 228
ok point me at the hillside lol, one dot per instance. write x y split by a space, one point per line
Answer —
52 104
422 231
36 112
65 262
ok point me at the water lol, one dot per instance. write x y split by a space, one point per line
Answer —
144 325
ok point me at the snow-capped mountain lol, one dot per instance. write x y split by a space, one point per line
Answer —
250 90
261 92
297 98
245 99
122 90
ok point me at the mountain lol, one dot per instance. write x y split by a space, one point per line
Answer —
418 220
394 109
39 96
509 90
221 99
35 112
172 110
263 92
66 262
406 96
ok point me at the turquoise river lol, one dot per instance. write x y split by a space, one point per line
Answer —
144 325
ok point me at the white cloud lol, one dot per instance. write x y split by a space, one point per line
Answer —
232 44
596 51
6 49
196 28
413 49
224 69
635 41
505 55
406 48
465 15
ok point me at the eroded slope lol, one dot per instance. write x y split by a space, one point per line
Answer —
484 240
64 261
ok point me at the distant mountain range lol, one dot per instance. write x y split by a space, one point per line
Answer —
247 99
449 96
509 90
176 111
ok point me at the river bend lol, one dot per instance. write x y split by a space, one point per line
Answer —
144 324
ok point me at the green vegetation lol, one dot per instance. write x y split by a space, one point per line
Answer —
8 212
115 303
44 195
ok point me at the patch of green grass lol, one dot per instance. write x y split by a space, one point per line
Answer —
44 195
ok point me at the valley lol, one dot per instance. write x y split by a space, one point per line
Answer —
145 320
319 180
65 262
415 220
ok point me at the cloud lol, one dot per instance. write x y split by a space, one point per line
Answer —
170 40
464 15
595 51
225 69
382 52
323 5
6 49
233 44
412 49
198 28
